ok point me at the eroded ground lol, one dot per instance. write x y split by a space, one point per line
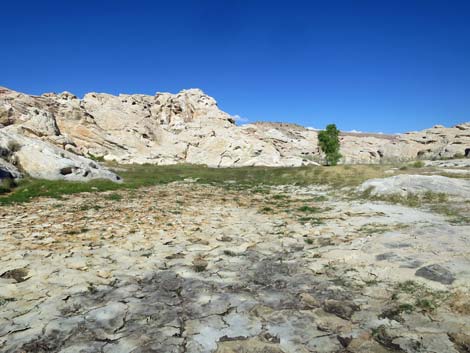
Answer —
190 268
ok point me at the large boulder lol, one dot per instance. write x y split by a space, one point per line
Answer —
43 160
416 184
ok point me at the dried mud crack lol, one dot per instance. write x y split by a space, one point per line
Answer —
193 268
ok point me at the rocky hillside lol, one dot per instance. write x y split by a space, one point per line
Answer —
187 127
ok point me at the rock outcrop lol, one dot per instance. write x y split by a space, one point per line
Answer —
43 160
188 127
416 184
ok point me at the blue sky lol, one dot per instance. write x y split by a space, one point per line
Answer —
370 65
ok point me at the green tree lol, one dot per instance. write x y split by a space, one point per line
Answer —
328 141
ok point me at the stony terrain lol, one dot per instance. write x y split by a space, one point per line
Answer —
188 267
228 261
187 127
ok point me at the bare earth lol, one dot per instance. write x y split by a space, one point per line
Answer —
193 268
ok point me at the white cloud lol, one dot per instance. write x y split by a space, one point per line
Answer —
356 131
239 119
312 128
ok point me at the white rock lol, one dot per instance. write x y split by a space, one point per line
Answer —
415 184
43 160
188 127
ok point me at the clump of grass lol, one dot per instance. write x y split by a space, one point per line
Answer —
396 311
426 304
313 220
95 158
266 209
409 287
435 201
418 297
261 191
113 197
417 164
90 207
406 308
6 185
378 228
76 231
455 216
320 198
410 199
308 209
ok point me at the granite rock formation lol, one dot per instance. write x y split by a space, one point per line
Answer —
189 127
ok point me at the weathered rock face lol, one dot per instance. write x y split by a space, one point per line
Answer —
188 127
441 142
43 160
416 184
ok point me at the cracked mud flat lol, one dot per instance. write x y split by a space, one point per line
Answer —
193 268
